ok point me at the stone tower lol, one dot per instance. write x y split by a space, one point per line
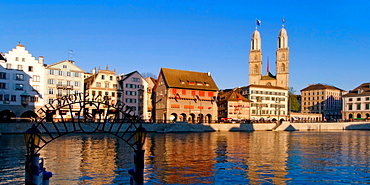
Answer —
282 60
255 59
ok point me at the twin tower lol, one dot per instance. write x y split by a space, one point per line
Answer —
282 62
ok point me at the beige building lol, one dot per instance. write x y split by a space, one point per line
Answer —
151 84
103 84
322 99
185 96
232 106
356 103
268 92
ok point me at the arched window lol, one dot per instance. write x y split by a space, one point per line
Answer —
268 84
283 56
282 68
255 69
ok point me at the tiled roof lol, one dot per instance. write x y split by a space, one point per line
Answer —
265 86
233 95
188 79
362 90
320 87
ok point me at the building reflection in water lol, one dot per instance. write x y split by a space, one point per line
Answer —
219 157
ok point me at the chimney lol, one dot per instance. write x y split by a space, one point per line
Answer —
209 73
41 60
93 71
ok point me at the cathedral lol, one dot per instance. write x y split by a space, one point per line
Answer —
282 62
268 92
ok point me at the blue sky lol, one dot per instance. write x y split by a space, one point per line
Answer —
328 40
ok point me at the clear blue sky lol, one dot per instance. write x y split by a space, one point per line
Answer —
329 40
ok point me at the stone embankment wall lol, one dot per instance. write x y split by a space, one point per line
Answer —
19 127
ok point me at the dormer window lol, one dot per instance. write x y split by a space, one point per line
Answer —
191 83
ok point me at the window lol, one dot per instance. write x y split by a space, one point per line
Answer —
130 86
133 108
23 59
51 81
107 85
77 83
102 77
20 67
367 107
19 87
68 83
350 107
359 106
34 99
183 92
77 74
131 93
65 66
51 71
2 75
13 98
93 93
36 78
16 59
201 93
19 77
60 83
2 85
68 73
136 79
110 77
30 68
358 99
130 100
36 87
367 98
8 66
115 86
98 84
113 94
60 73
51 91
350 99
99 93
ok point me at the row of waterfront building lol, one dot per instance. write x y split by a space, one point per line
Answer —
28 84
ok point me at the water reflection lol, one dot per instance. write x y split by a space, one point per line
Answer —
201 158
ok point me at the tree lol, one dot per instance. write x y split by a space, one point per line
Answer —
292 101
148 74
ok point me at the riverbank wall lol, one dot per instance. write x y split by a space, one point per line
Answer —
20 127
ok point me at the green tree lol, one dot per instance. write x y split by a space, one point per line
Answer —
292 101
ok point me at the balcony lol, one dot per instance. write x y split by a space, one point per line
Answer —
65 87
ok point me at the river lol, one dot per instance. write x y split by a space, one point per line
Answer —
260 157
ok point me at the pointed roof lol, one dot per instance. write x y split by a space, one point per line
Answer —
175 78
69 62
283 32
256 35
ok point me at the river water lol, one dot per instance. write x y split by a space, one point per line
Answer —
260 157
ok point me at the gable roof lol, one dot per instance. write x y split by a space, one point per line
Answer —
2 57
320 87
233 95
362 90
69 62
175 78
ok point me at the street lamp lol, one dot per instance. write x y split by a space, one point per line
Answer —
35 171
137 173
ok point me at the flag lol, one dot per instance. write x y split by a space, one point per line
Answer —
258 22
283 20
177 96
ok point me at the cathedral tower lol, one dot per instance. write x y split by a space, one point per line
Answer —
255 59
282 60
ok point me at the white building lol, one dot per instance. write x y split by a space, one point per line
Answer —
269 102
356 103
63 78
133 90
21 83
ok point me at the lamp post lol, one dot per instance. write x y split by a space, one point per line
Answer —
137 173
35 173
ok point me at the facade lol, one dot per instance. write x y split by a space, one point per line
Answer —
185 96
232 106
62 78
133 90
269 102
21 83
101 84
268 92
151 83
322 99
356 103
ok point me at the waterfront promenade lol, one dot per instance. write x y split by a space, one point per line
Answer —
20 127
